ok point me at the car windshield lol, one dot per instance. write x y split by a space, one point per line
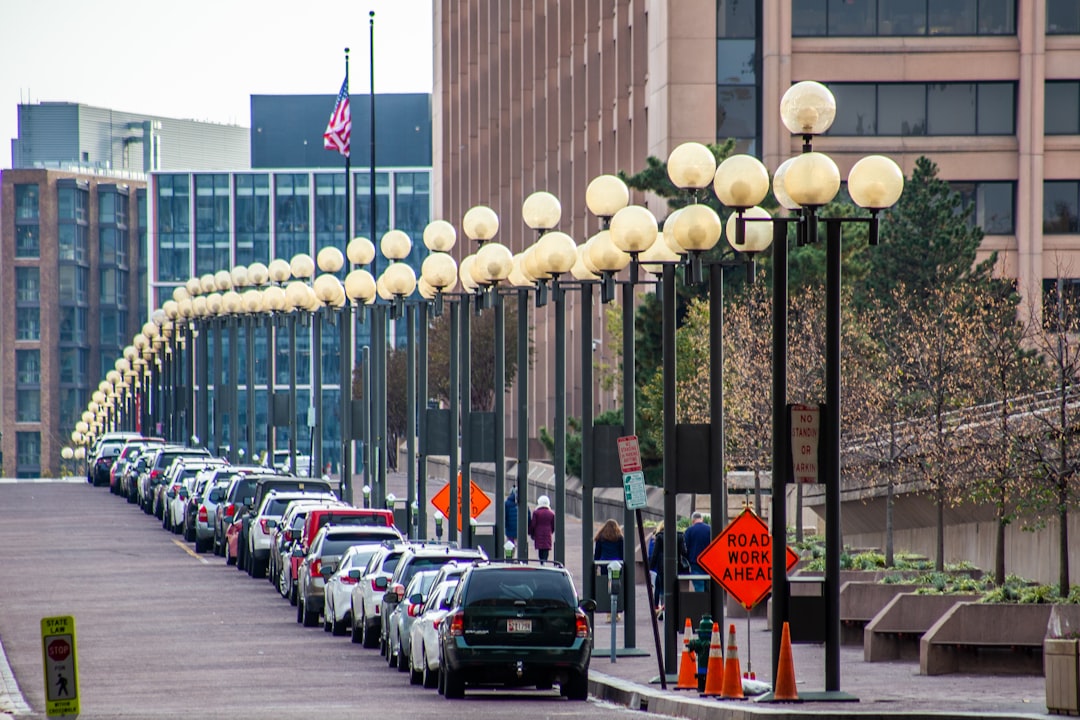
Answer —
360 558
505 587
422 582
429 563
338 544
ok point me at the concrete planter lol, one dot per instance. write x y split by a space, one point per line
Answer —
1062 670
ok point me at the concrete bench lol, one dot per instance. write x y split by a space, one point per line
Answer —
860 602
985 638
894 633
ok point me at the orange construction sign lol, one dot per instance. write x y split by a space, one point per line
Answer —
740 559
478 501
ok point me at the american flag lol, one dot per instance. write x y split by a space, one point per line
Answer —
339 128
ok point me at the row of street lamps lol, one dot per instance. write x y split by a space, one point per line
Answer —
155 378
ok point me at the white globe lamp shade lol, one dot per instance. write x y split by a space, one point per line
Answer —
327 288
193 286
741 181
780 189
541 211
494 261
558 252
302 266
606 195
274 298
395 245
207 283
812 179
808 108
330 259
875 182
400 279
361 251
439 236
691 165
698 228
633 229
239 276
222 280
480 223
439 270
280 270
605 255
757 236
258 273
360 286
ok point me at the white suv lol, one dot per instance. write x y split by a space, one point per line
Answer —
264 522
368 593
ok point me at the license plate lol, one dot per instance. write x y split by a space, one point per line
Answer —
519 626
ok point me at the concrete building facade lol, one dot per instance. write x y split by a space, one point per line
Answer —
545 95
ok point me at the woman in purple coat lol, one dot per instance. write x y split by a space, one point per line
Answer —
542 527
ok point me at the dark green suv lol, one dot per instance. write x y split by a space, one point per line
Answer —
515 624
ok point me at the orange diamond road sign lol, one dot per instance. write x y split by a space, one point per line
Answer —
740 559
478 501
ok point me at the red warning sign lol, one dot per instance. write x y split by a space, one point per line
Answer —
478 500
740 559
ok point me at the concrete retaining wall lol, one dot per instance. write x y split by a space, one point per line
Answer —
894 633
976 637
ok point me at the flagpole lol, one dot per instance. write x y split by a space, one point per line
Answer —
379 335
347 351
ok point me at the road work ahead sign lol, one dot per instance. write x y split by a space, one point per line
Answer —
61 673
740 559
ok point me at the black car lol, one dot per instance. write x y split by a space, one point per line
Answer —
516 624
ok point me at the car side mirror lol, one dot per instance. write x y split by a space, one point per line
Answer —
444 604
588 605
271 524
390 597
184 495
326 571
416 598
354 574
381 583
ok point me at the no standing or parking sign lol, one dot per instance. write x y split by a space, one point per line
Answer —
61 673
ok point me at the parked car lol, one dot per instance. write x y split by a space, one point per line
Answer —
424 634
516 624
179 489
342 514
321 560
365 604
256 543
400 620
337 615
102 453
205 504
239 494
285 538
163 457
231 541
135 454
422 556
282 465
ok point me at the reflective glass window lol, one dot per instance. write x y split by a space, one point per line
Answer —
74 365
950 108
107 286
953 17
28 450
173 224
28 367
65 202
27 241
107 245
1062 107
1060 206
252 217
996 109
736 62
412 209
106 207
72 403
857 109
27 405
901 17
736 112
852 17
736 19
73 324
27 285
1062 17
26 202
997 17
330 210
292 212
901 109
27 323
362 211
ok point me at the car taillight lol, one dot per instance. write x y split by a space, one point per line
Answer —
203 517
345 579
263 524
581 622
435 623
414 609
230 510
316 568
288 535
155 474
374 587
457 624
399 591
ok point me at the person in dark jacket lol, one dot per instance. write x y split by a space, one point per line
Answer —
542 527
608 543
656 563
510 516
698 537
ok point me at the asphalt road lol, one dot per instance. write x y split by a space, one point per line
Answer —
164 633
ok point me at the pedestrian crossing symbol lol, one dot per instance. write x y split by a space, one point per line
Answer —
61 673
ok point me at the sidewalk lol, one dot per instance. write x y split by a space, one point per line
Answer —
888 689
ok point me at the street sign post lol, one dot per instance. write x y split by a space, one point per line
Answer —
61 671
478 501
740 559
804 422
634 490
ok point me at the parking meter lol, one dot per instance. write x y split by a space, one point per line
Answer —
508 550
614 569
438 526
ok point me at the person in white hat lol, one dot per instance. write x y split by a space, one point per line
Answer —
542 527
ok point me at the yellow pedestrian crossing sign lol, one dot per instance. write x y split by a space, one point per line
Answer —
61 673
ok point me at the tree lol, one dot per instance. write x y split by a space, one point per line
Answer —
482 344
1051 445
1011 371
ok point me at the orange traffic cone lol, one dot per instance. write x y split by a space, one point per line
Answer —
732 688
688 663
714 673
785 670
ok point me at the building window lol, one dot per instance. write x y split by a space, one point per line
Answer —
27 243
362 204
173 225
412 209
112 331
252 217
72 404
27 452
330 210
106 207
73 284
27 203
1062 17
292 214
212 241
1061 206
1062 107
27 323
994 205
903 109
71 242
74 366
28 367
27 285
73 325
28 405
862 18
107 283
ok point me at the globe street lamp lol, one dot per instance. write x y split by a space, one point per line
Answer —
360 290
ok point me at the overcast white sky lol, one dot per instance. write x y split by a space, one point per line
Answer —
202 59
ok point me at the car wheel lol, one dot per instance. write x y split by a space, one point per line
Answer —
576 687
340 628
258 568
200 545
311 619
371 641
453 684
299 610
283 588
430 679
229 559
326 623
402 659
415 676
391 657
356 630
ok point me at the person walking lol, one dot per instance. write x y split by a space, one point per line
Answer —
698 536
542 527
510 516
656 563
608 546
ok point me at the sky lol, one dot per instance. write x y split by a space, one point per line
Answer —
202 59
